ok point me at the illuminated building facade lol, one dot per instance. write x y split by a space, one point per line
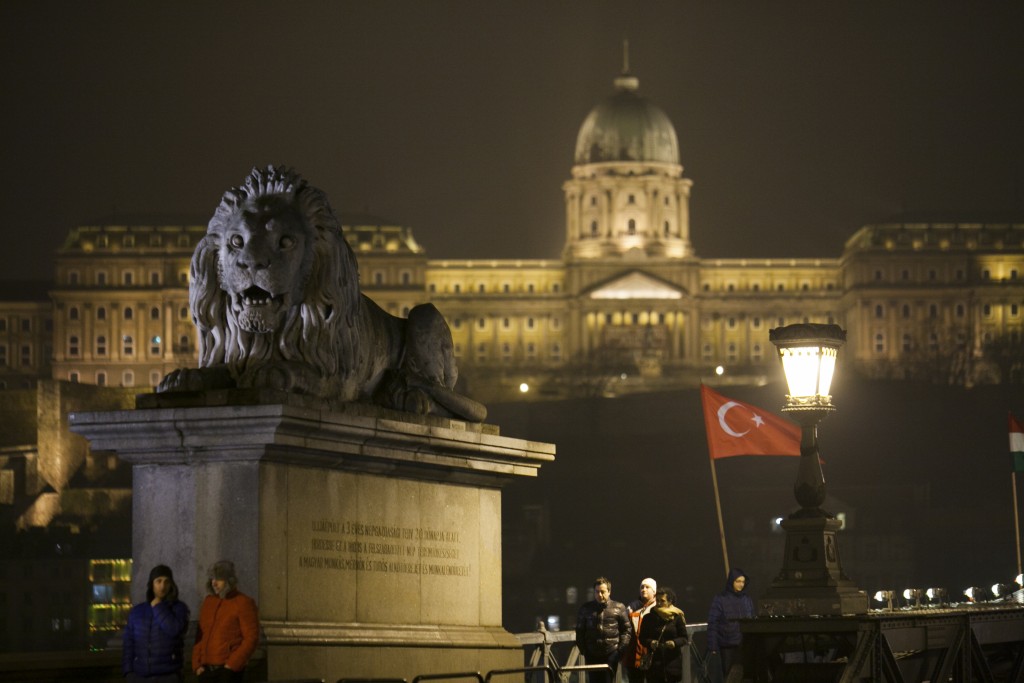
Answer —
628 298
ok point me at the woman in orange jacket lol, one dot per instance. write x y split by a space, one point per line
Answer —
229 629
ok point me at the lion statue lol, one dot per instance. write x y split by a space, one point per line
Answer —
275 297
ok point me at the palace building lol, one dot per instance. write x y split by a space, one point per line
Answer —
628 305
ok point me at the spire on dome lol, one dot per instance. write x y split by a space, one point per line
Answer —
625 81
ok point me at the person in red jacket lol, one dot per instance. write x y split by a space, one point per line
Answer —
229 629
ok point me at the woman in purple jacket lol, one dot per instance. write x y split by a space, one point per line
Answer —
154 638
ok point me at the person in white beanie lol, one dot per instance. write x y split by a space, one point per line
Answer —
638 609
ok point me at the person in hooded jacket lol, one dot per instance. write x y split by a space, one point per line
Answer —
154 638
663 634
724 636
228 631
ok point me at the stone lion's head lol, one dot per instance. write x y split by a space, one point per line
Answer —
274 279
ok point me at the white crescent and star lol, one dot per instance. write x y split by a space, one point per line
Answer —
726 407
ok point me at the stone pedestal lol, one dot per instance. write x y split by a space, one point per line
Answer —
812 581
370 539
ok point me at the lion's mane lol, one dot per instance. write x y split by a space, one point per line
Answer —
320 332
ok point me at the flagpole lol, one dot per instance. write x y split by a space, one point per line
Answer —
1016 518
721 525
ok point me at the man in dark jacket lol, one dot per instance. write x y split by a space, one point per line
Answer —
155 635
724 634
603 631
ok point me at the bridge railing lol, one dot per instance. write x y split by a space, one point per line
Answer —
557 650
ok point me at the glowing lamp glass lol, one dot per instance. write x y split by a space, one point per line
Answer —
808 369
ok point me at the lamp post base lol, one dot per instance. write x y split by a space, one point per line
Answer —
812 581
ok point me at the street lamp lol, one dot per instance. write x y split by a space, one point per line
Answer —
812 580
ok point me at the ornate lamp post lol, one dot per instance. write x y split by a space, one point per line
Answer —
812 580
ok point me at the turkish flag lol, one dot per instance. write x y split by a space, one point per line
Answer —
738 428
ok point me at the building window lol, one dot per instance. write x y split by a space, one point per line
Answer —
406 277
432 288
73 313
781 287
730 287
731 323
101 313
101 345
154 313
756 353
185 342
805 287
879 311
960 310
1014 310
529 323
480 323
26 324
506 352
405 311
127 346
155 240
3 354
987 310
985 274
102 241
128 241
73 277
556 287
904 274
556 323
959 274
457 288
593 228
457 323
531 349
154 346
481 288
705 352
128 313
101 278
878 276
905 311
3 324
183 240
756 287
506 323
731 352
631 226
128 278
631 199
378 277
154 378
73 376
933 311
101 379
755 323
506 287
26 356
556 351
530 288
128 379
907 343
183 313
879 343
932 274
183 277
666 228
154 278
933 342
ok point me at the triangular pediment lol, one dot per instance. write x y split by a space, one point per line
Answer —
636 285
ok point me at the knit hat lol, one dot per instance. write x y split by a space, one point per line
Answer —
224 570
650 582
160 570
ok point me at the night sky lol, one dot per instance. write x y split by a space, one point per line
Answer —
797 121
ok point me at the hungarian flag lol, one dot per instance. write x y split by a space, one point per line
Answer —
738 428
1016 444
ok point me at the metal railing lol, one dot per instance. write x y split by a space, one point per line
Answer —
557 650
